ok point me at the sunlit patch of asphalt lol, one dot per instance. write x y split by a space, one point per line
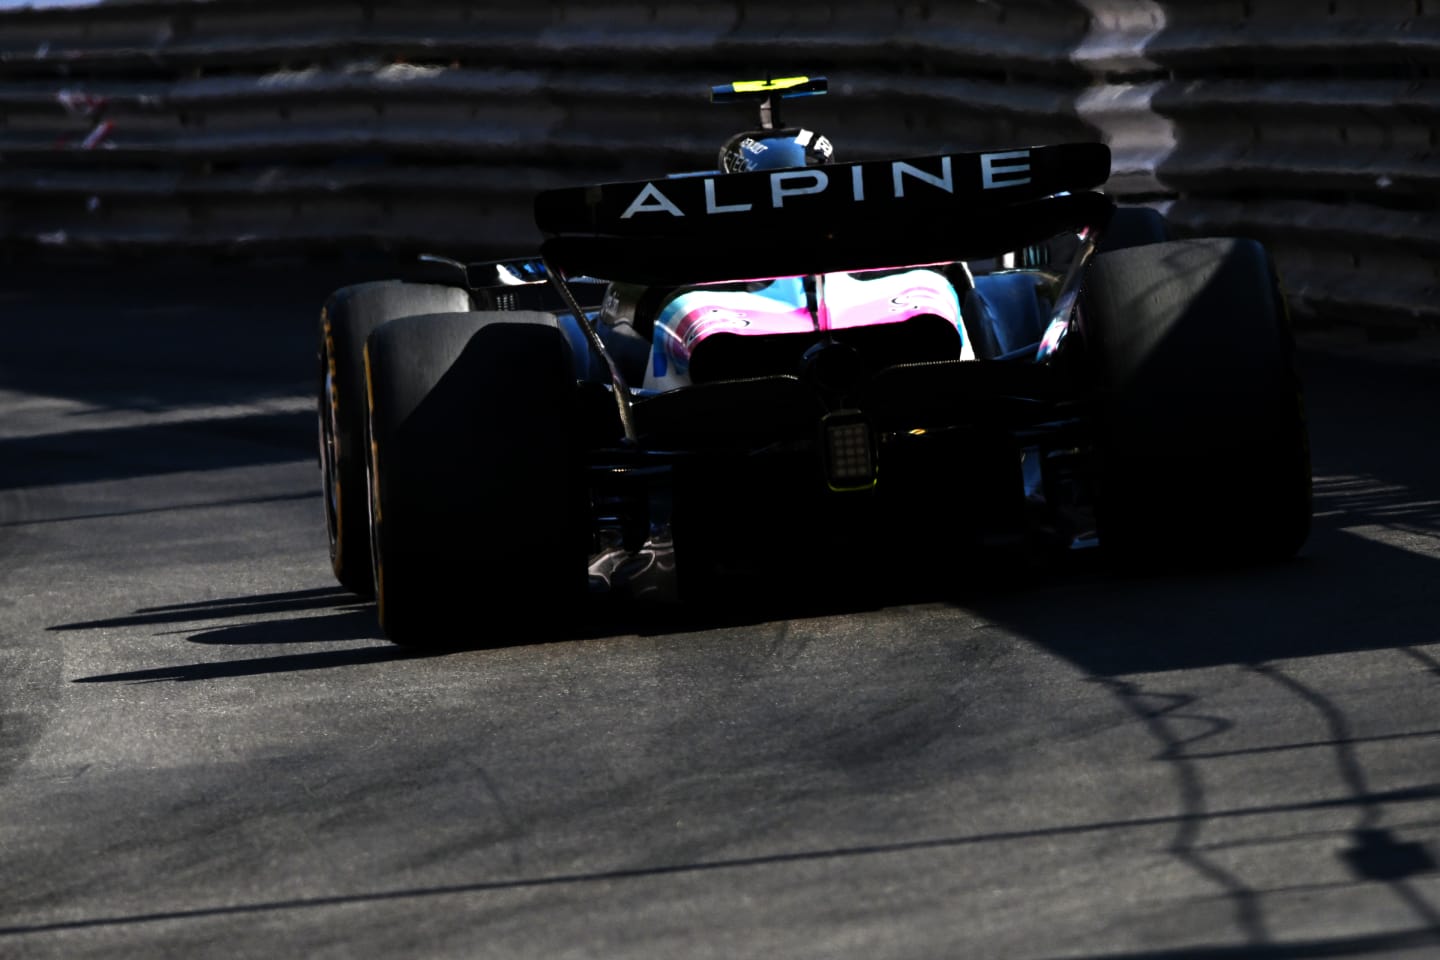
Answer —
29 416
174 508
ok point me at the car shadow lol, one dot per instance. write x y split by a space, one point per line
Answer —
350 624
225 607
256 666
320 617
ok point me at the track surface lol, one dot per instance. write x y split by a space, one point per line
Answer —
206 748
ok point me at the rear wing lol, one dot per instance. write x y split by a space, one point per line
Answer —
758 91
847 216
768 94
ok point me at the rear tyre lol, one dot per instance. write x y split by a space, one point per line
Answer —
1201 445
348 317
1134 227
479 534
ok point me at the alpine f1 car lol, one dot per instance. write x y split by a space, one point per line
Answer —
791 370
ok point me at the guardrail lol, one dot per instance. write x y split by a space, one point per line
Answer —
260 125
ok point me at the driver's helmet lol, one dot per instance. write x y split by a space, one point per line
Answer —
775 150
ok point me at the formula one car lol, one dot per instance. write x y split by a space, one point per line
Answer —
792 371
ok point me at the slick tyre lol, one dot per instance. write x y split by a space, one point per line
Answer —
478 509
348 317
1201 445
1134 227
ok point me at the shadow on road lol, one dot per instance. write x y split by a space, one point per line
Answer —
165 335
1368 579
347 625
193 369
1351 946
350 619
224 608
256 666
91 455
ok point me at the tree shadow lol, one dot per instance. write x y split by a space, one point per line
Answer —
1366 581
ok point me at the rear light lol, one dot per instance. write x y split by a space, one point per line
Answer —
848 445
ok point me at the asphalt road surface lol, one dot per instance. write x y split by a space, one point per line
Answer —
206 749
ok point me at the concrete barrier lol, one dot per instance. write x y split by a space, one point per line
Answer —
1307 124
237 126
